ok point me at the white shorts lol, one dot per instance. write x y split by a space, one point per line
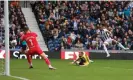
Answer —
108 41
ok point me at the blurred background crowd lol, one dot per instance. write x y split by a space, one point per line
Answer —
69 24
16 23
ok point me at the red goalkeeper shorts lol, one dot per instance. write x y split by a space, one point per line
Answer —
36 50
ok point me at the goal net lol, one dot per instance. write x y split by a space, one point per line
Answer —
2 61
4 39
2 66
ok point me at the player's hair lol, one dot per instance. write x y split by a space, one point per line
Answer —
81 52
26 29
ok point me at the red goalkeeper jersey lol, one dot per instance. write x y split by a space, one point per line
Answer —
31 40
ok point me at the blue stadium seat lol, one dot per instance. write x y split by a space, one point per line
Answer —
52 48
50 45
57 45
50 41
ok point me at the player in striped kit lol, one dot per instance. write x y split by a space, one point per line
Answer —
105 35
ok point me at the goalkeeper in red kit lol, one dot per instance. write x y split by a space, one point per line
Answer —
34 48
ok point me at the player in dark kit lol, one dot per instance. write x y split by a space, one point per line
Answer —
83 60
23 45
34 48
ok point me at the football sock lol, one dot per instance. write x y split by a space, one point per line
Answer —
104 46
120 45
47 62
29 60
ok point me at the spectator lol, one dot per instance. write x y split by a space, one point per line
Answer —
72 36
86 40
118 33
77 20
125 42
63 43
75 25
126 12
79 45
69 42
55 33
94 43
14 43
78 38
111 14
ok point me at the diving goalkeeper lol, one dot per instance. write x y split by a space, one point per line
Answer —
83 60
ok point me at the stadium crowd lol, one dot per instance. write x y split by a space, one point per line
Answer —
1 25
69 24
16 24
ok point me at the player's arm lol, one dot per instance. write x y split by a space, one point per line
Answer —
87 58
109 32
37 38
94 35
75 60
22 38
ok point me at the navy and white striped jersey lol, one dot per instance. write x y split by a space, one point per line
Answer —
104 35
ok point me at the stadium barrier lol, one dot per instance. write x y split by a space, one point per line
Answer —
70 54
100 54
15 54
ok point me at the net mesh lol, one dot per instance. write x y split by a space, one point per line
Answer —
2 30
2 66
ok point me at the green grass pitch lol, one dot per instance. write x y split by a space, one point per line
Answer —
99 70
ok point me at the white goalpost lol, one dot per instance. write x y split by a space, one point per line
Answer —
5 62
6 22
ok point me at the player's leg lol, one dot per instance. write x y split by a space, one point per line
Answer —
83 63
22 50
45 57
29 60
47 61
105 48
107 42
120 45
91 61
28 54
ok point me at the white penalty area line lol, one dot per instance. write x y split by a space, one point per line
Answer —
17 77
116 68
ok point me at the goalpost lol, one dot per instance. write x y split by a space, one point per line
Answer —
7 58
5 62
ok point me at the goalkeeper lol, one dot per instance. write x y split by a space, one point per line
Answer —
83 60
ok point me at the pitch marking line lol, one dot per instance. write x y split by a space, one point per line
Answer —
21 78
